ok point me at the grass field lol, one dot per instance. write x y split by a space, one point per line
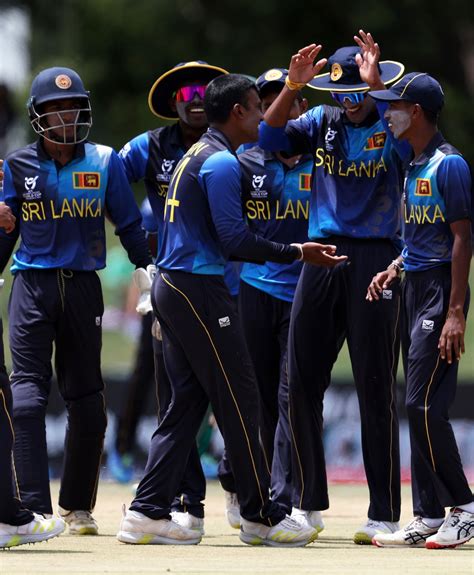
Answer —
222 552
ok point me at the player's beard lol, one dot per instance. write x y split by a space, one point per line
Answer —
400 121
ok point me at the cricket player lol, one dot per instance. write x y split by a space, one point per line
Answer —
59 189
354 205
205 354
437 217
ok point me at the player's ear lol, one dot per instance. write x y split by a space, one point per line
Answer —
172 104
304 105
238 111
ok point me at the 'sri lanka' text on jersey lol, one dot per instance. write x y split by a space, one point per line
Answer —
357 173
437 193
61 209
276 204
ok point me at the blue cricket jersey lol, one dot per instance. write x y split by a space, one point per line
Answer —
153 157
60 210
356 183
438 192
203 221
276 204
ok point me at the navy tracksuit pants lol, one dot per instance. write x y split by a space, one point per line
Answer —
206 360
266 320
438 479
150 369
11 509
63 307
329 307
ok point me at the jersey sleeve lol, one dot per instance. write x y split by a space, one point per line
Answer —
125 215
220 177
134 156
10 197
455 185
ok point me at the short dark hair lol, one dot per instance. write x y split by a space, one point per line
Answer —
431 117
223 93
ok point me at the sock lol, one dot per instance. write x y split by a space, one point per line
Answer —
433 522
469 507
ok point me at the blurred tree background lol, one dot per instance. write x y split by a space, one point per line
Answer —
120 47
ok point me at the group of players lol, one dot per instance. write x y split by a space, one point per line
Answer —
315 212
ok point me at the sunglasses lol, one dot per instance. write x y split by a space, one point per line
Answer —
353 97
186 93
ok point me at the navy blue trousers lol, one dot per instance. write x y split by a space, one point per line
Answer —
11 509
206 360
150 370
438 479
65 308
330 307
266 320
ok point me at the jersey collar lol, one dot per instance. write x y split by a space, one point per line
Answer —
430 149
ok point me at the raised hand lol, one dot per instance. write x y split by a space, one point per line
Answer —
368 60
302 68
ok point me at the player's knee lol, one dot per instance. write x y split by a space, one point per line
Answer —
30 399
88 413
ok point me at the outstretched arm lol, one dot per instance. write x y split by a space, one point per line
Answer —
301 70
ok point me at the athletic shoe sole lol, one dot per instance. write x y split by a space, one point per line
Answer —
134 538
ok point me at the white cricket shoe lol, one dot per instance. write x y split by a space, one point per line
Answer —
232 509
309 519
287 533
365 534
458 528
414 535
185 519
138 529
80 522
38 529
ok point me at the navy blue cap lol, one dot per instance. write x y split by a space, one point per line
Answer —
162 90
274 76
56 84
344 75
416 87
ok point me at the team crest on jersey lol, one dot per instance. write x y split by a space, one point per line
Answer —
167 168
31 193
86 180
257 190
423 187
305 182
376 142
329 138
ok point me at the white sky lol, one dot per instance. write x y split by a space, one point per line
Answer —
14 47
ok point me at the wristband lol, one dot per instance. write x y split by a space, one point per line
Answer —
293 85
300 249
398 266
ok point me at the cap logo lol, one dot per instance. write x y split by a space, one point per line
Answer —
63 82
336 72
273 75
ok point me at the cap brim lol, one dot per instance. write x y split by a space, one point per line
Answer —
63 96
389 72
385 96
162 90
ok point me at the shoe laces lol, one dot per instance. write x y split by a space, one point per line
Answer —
453 518
82 515
290 523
